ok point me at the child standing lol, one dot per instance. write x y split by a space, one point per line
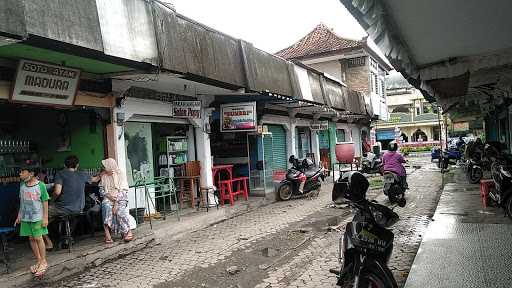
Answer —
33 216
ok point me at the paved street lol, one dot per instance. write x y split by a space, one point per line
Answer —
286 244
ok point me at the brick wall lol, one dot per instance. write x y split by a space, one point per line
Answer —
357 78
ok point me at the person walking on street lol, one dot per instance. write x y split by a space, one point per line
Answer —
33 217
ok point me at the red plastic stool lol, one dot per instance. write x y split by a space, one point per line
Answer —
234 187
485 186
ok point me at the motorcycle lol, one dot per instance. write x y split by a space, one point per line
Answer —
394 188
501 194
300 171
479 161
371 163
474 171
366 246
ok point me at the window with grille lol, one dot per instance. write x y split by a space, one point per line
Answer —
373 64
374 82
356 62
383 87
340 135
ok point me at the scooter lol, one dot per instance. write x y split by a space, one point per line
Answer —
481 161
501 194
371 163
366 246
474 171
301 171
394 188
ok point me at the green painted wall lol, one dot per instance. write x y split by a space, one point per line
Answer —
41 126
86 144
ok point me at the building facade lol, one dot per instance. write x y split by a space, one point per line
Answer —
410 115
352 62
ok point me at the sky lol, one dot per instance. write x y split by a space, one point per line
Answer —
271 25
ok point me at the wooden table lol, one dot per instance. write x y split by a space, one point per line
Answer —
218 168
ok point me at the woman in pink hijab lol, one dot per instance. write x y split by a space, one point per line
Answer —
115 186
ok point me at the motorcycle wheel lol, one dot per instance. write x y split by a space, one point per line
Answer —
475 174
371 280
392 194
509 207
285 192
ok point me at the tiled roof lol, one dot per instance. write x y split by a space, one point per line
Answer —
321 40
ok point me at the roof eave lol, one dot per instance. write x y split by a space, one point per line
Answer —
327 53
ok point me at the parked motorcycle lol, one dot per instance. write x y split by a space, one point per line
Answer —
394 188
371 163
474 171
479 161
366 246
300 171
501 195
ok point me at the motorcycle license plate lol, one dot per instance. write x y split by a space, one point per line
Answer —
375 238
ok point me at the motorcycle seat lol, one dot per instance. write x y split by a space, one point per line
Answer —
310 172
391 173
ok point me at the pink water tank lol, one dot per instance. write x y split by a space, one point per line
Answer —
345 152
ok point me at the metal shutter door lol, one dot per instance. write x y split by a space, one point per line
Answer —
279 147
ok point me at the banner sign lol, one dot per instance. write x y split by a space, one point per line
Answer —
461 126
238 117
324 125
45 83
187 109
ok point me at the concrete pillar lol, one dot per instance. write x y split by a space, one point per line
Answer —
315 146
204 154
290 135
118 139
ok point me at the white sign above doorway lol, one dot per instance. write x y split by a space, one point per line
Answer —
45 83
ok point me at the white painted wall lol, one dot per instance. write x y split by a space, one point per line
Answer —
332 68
404 99
155 111
305 88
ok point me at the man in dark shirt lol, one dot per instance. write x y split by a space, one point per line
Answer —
68 191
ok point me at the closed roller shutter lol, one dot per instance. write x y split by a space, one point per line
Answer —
278 147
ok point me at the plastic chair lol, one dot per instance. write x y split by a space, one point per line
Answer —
229 189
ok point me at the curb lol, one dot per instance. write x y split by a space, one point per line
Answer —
89 259
92 258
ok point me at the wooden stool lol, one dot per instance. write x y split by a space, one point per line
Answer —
187 183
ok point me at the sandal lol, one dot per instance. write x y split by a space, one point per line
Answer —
128 238
109 241
33 268
41 270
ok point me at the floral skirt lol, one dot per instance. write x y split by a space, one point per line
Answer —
120 222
